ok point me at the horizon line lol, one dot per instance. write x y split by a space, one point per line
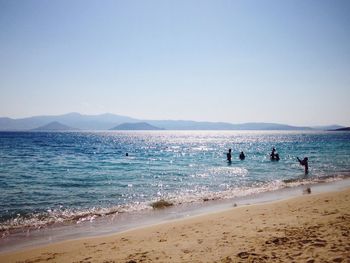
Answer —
149 119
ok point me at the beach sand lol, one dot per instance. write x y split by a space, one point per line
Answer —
309 228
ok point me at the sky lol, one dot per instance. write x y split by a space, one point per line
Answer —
235 61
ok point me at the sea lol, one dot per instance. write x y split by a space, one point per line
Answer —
52 178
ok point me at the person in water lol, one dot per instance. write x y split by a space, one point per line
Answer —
304 163
229 155
274 156
242 156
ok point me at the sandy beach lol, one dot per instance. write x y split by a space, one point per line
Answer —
309 228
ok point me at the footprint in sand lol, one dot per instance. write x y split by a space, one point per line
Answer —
277 240
319 243
337 259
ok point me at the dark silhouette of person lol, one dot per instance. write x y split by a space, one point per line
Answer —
304 163
126 154
274 156
242 156
229 155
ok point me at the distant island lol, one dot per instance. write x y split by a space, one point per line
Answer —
136 126
110 121
342 129
54 126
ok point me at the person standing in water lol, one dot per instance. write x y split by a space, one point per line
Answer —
241 156
229 155
274 156
304 163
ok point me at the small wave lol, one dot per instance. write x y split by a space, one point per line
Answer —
201 194
315 180
58 216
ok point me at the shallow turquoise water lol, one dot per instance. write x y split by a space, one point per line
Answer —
53 177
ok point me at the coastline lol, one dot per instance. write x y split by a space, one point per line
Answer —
28 238
302 228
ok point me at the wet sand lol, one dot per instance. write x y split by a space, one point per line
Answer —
309 228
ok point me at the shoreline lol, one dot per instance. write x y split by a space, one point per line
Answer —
114 224
302 214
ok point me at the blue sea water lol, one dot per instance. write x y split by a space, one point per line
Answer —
50 177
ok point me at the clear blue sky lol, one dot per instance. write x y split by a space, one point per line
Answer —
234 61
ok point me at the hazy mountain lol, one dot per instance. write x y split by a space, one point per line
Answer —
54 126
190 125
83 122
108 121
193 125
328 127
93 122
270 126
8 124
342 129
136 126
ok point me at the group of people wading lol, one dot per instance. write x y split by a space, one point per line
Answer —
229 155
274 156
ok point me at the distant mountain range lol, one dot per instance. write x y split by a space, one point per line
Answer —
136 126
77 120
193 125
108 121
329 127
54 126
